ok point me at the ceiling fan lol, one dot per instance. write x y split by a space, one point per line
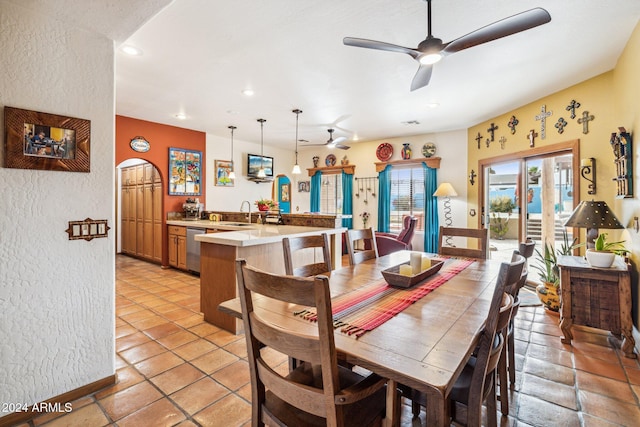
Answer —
432 49
333 143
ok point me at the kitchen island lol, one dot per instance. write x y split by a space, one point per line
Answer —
261 246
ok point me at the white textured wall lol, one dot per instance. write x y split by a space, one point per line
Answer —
230 198
56 295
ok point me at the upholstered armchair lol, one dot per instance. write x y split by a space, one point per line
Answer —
388 243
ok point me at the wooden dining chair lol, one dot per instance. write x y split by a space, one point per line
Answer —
481 235
476 383
293 245
358 256
318 391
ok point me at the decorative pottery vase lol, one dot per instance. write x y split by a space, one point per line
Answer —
601 259
548 295
406 151
315 161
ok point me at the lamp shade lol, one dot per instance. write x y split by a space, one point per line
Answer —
445 190
592 214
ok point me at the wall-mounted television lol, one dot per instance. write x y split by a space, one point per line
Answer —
255 162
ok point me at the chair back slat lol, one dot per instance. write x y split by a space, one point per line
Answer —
358 256
480 234
298 247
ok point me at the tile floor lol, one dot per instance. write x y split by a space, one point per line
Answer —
176 370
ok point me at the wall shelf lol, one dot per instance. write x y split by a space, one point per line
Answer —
329 170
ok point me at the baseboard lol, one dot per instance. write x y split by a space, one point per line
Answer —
23 417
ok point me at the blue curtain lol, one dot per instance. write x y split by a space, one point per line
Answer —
431 223
316 186
384 199
347 199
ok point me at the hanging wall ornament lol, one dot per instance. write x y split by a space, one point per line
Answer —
584 121
560 124
543 120
479 139
573 106
502 141
472 177
531 136
488 142
513 122
492 130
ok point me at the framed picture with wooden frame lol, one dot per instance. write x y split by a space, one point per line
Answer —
223 168
44 141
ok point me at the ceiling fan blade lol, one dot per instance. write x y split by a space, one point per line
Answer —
339 139
342 147
373 44
514 24
422 77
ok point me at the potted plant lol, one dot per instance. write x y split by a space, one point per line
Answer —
498 224
265 204
605 252
549 273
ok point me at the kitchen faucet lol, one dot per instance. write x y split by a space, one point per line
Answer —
247 216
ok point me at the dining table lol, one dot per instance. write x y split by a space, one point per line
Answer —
425 346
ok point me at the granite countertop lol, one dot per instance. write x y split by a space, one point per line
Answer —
261 234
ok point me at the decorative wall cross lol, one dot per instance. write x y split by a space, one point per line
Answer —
584 121
492 129
478 139
543 121
502 141
573 105
532 137
513 122
488 142
560 124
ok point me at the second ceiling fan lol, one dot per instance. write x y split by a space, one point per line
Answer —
333 143
432 49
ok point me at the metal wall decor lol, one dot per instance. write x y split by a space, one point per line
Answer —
588 172
584 121
478 139
573 106
366 186
502 142
543 120
622 146
513 122
492 129
560 124
472 177
531 136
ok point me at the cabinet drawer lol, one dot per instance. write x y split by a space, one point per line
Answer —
178 230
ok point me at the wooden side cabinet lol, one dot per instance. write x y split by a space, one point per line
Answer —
177 246
596 297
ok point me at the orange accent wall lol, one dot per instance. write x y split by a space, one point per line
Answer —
160 138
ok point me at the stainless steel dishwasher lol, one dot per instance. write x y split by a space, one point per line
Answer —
193 249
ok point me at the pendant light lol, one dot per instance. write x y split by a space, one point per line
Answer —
232 174
261 173
296 167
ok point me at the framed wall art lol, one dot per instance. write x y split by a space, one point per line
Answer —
185 172
44 141
223 168
303 186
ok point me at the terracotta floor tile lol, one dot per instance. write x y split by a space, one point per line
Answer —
552 355
199 395
599 367
126 377
549 371
177 378
633 374
90 415
233 376
142 352
158 364
591 421
190 321
149 322
162 330
539 413
159 414
609 409
607 354
138 315
120 362
178 339
548 341
229 412
180 313
194 349
131 341
122 331
620 390
214 360
239 348
187 423
125 402
222 338
245 392
204 329
549 391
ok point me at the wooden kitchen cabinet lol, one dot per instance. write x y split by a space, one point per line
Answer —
177 246
596 297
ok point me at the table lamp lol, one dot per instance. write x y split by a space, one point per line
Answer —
593 215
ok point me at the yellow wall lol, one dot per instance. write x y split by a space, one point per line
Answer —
614 99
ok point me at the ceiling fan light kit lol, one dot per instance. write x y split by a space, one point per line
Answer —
261 172
232 174
296 167
431 50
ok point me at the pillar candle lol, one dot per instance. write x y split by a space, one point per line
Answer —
416 262
405 270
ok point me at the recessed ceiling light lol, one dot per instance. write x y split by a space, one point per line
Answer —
233 112
181 116
355 137
411 122
433 104
131 50
247 92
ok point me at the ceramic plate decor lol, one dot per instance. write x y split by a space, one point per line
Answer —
429 149
384 151
330 160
